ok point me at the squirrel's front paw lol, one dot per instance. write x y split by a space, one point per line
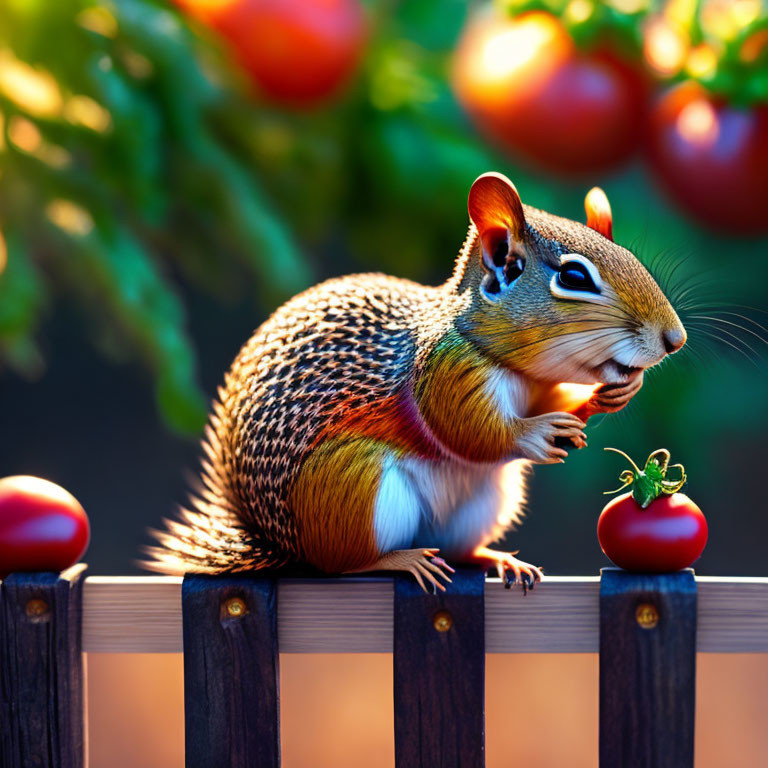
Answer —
613 397
538 441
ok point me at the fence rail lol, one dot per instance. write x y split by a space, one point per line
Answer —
646 628
142 614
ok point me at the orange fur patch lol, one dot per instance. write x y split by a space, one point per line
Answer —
451 395
392 421
333 501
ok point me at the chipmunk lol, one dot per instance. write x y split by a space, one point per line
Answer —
372 423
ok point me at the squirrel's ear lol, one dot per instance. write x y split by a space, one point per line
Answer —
494 206
599 216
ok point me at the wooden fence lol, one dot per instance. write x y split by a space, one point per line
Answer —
232 629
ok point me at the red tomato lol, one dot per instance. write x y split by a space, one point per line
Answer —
712 158
527 87
667 535
42 527
297 52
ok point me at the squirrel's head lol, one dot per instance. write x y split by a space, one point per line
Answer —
559 300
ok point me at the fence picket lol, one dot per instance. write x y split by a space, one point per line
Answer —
231 683
41 670
647 669
439 673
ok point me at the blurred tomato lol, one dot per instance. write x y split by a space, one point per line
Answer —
527 87
42 526
712 158
297 52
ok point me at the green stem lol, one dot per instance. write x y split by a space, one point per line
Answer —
650 482
621 453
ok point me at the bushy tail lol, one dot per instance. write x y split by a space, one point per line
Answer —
208 535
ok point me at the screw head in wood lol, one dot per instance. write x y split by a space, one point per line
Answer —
37 609
235 607
442 621
647 615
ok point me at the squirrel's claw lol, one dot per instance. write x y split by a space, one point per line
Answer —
528 582
511 570
424 565
442 564
524 574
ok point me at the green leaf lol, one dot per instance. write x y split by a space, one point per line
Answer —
644 490
654 472
22 292
181 403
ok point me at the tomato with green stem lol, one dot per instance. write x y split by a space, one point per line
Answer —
652 528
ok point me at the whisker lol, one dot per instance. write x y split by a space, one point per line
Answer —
711 332
763 328
693 356
598 348
685 288
678 298
670 275
561 337
733 325
549 323
747 306
720 339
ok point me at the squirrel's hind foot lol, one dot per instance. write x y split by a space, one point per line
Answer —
422 563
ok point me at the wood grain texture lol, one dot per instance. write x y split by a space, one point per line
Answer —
354 615
647 674
231 677
41 670
439 676
132 614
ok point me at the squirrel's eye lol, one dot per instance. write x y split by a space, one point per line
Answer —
574 276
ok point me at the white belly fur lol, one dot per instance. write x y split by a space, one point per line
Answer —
450 505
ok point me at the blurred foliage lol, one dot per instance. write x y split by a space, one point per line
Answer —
721 43
134 162
117 175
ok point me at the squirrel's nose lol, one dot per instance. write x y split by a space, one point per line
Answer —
673 339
